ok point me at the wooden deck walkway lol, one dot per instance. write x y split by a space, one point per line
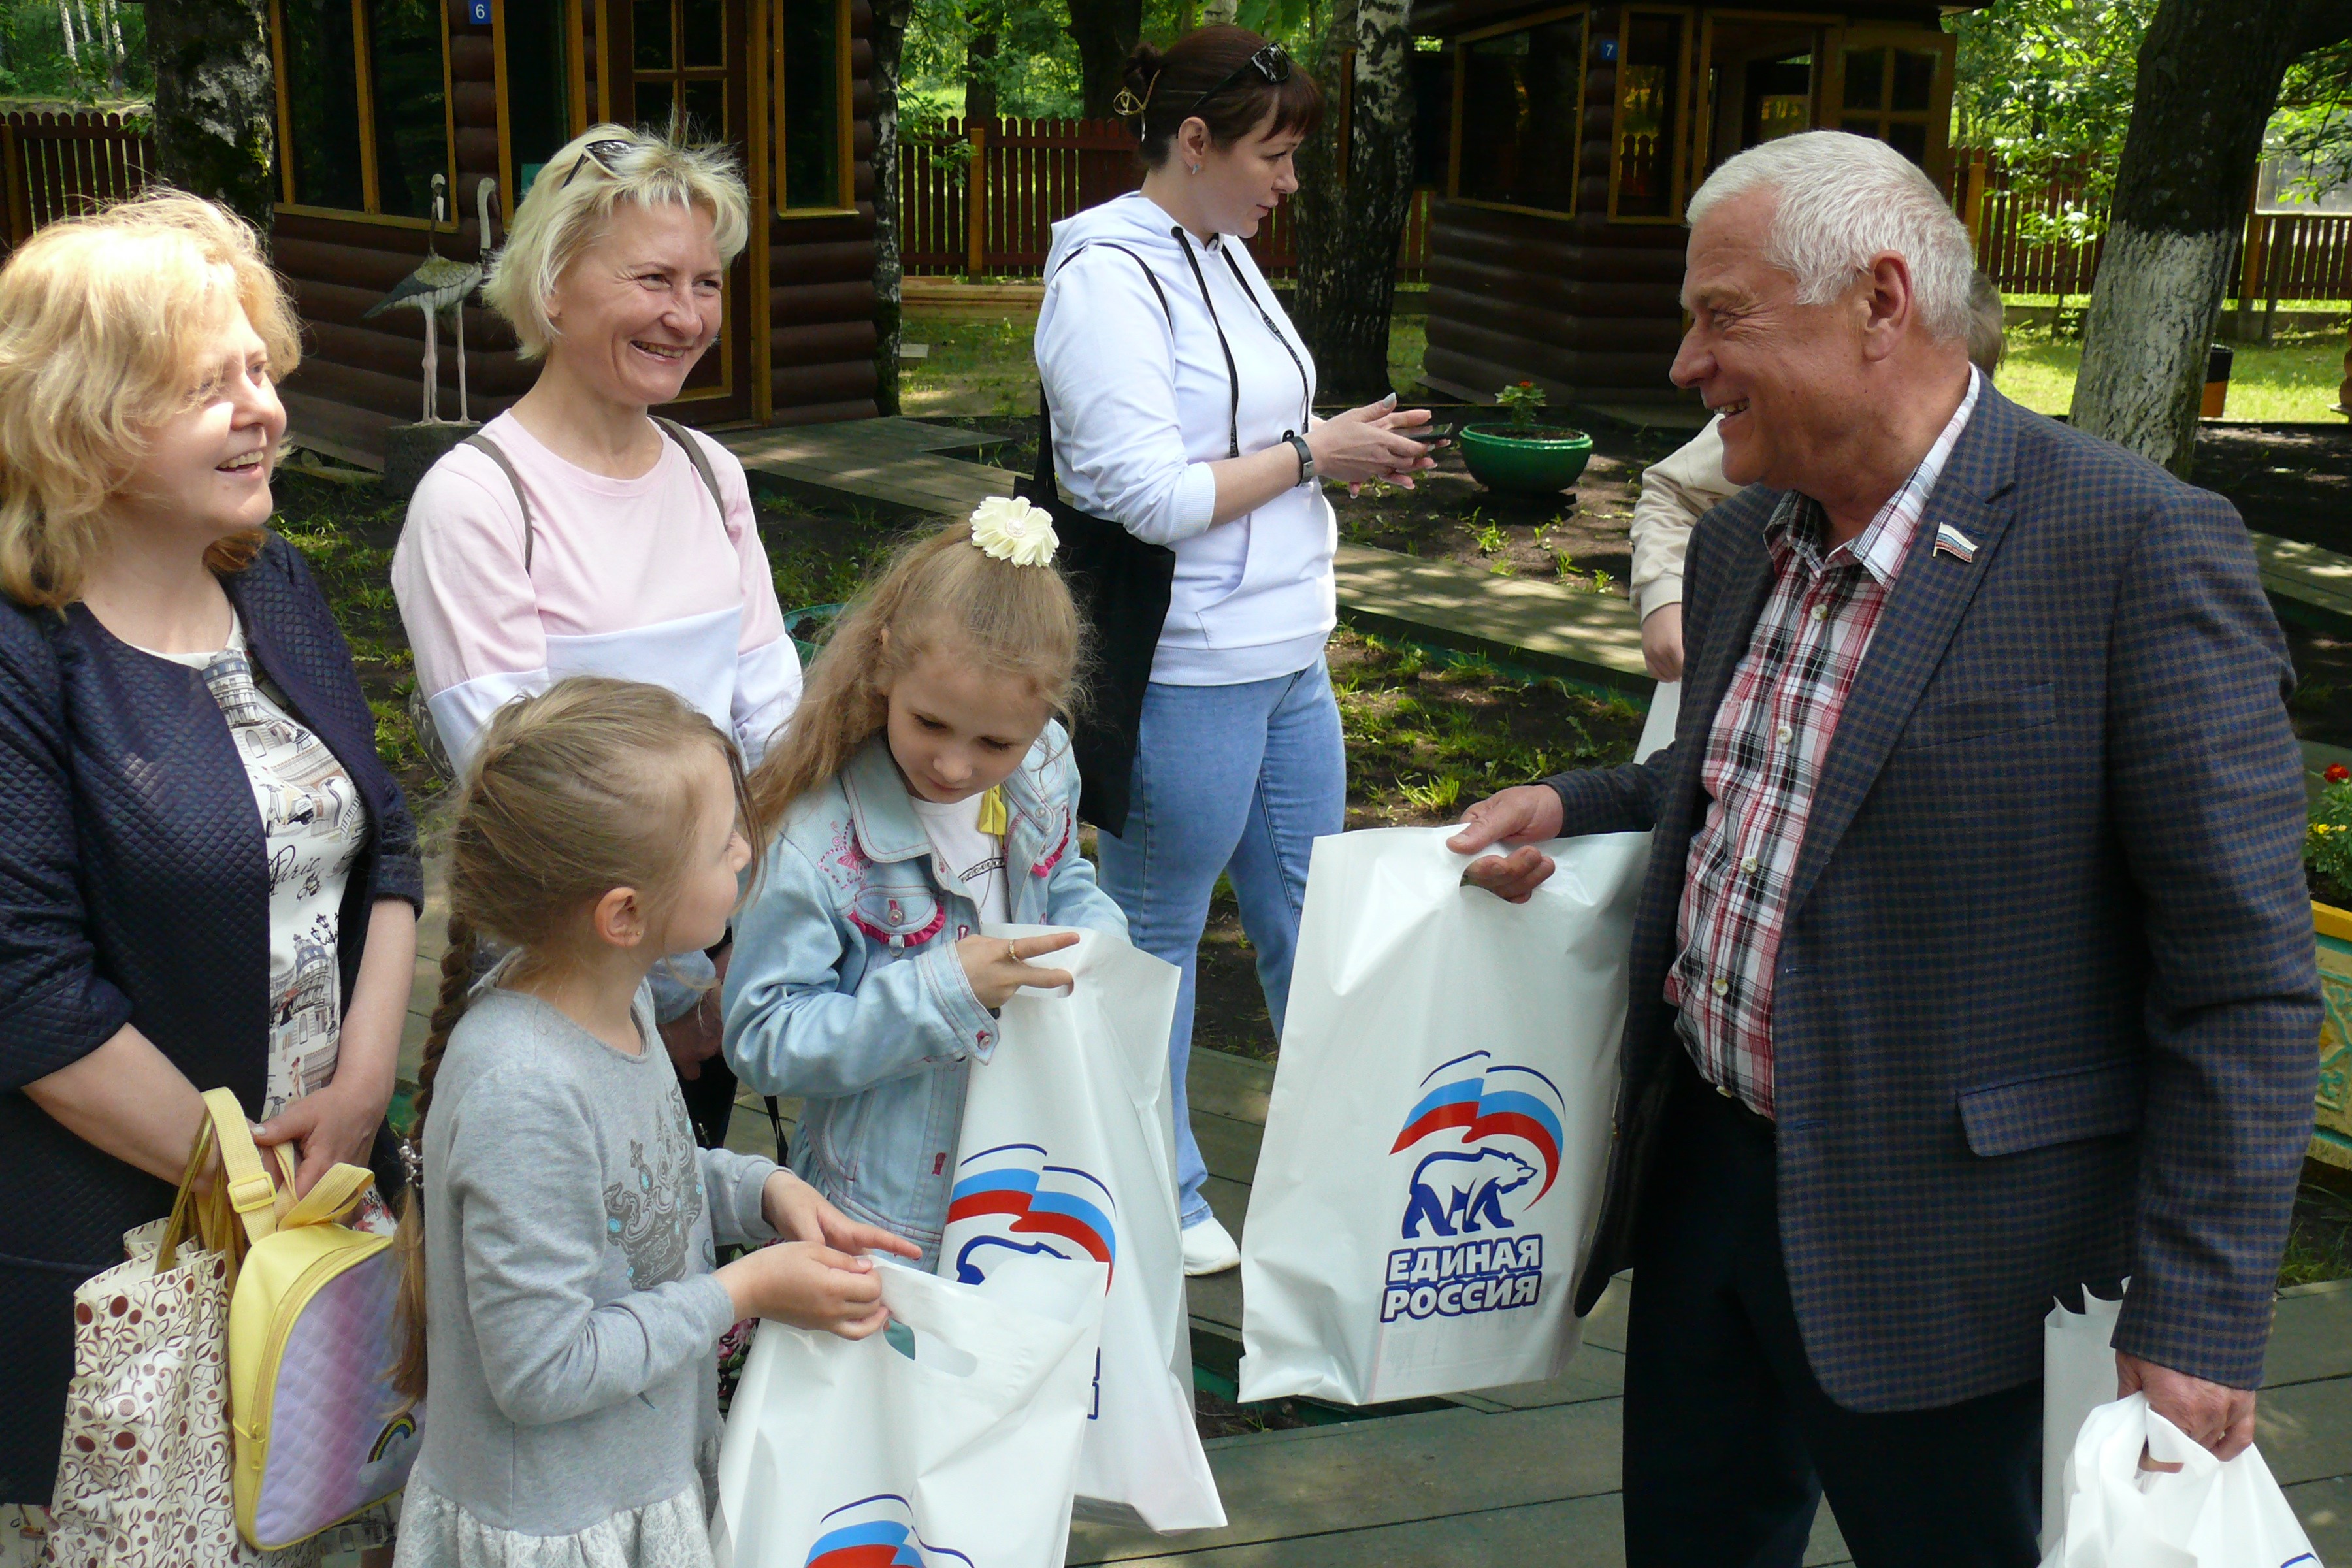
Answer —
901 464
1504 1475
1527 1474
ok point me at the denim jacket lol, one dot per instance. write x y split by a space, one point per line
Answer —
846 988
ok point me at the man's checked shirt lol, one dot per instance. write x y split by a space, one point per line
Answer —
1764 758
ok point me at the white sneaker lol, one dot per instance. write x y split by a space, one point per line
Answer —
1208 1249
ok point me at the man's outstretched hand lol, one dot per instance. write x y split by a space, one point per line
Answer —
2213 1415
1524 818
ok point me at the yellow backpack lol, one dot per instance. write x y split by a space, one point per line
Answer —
320 1433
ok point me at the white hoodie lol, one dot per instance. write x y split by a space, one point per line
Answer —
1141 407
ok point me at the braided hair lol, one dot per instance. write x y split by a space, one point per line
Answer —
571 794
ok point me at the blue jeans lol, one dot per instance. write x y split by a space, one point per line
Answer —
1234 779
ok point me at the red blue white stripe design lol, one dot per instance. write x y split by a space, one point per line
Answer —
877 1532
1951 542
1489 1099
1042 1199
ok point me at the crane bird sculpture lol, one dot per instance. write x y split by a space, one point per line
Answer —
438 284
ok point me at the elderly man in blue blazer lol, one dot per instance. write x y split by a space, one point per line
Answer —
1974 962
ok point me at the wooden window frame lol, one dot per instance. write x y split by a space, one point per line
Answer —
844 202
362 62
679 75
1824 24
575 101
1677 135
1937 118
1462 43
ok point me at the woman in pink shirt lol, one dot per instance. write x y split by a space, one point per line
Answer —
579 534
576 534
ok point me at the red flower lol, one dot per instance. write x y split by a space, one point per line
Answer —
2337 773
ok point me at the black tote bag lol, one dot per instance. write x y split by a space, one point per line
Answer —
1122 586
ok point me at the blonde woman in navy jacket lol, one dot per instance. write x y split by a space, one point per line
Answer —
207 878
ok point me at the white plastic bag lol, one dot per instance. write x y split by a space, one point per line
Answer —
1439 1129
2078 1375
953 1436
1065 1153
2208 1514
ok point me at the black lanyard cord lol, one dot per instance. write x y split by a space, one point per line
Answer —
1306 396
1233 376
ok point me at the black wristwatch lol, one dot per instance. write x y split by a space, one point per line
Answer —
1305 456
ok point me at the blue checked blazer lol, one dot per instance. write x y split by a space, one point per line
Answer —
2046 1007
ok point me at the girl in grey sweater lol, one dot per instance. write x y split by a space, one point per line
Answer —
561 1292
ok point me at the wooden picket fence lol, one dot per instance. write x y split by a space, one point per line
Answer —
1029 175
55 165
2283 256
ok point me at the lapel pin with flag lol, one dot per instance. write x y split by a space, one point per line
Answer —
1951 542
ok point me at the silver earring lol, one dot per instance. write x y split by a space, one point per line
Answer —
1196 168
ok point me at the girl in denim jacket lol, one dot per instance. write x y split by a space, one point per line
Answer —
924 787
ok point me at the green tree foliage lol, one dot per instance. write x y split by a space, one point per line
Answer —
2312 127
1036 69
2046 85
34 63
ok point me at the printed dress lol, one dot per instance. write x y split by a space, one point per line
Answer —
313 828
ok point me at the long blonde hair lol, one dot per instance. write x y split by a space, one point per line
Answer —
935 591
102 318
573 793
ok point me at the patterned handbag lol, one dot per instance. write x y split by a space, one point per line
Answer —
143 1475
236 1396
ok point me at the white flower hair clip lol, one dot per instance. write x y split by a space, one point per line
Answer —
1007 527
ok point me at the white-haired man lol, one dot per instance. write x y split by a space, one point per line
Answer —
1973 964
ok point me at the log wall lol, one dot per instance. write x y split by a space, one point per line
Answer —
1588 309
821 299
820 302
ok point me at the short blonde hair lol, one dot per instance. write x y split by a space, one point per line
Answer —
102 319
573 197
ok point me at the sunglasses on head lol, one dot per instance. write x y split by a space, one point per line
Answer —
1271 63
604 152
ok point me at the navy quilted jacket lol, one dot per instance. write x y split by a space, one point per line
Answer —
133 889
2046 1009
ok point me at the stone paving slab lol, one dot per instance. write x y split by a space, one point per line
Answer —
2305 574
1591 638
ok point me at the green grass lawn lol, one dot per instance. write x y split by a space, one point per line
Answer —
2295 378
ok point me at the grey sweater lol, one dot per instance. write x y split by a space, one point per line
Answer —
569 1246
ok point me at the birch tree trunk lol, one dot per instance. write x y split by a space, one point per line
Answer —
888 39
64 20
1352 202
1217 13
110 18
2208 80
215 102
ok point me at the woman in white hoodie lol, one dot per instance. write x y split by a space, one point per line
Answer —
1182 403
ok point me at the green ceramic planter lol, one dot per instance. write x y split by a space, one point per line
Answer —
1543 459
2331 1140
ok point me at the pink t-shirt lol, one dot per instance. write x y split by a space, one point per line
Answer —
643 579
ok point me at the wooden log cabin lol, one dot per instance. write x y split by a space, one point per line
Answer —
374 97
1573 135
